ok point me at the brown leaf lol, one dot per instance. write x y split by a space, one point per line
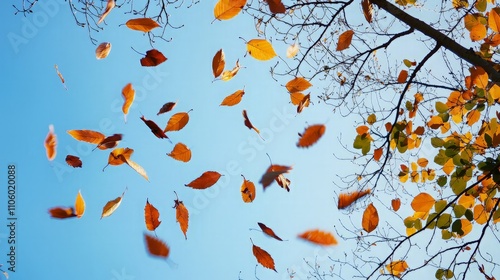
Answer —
119 156
378 153
73 161
304 103
102 51
218 63
370 218
153 58
297 84
345 40
263 257
269 231
89 136
272 173
79 205
403 75
166 107
346 199
110 142
109 6
177 121
142 24
156 247
151 216
128 94
51 144
311 135
112 205
62 213
233 98
180 152
181 215
206 180
395 203
276 6
60 77
247 190
367 7
283 182
249 124
154 128
319 237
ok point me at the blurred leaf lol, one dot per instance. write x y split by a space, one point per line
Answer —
311 135
319 237
128 94
142 24
51 144
269 231
346 199
156 247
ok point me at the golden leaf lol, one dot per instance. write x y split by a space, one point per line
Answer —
112 205
79 205
260 49
128 94
233 98
397 267
142 24
180 152
177 121
227 9
370 218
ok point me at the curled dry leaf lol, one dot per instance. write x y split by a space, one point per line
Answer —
292 50
206 180
263 257
109 6
151 216
319 237
247 190
346 199
167 107
272 173
102 51
112 205
370 218
128 94
156 247
269 231
73 161
227 9
229 74
181 215
249 124
62 212
276 6
142 24
153 58
180 152
304 103
51 144
218 63
367 7
177 121
79 205
110 141
157 131
60 76
233 98
311 135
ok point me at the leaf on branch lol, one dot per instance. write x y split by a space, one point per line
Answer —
311 135
276 6
218 63
177 121
423 202
109 6
370 218
263 257
151 216
142 24
153 58
260 49
403 75
102 51
397 267
319 237
128 94
180 152
304 103
50 144
227 9
112 205
345 40
233 98
167 107
247 190
182 216
346 199
206 180
156 247
268 231
377 153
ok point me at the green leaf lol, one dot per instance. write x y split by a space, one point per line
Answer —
442 180
446 234
469 215
481 5
441 158
409 222
407 63
444 221
437 142
457 227
439 274
457 184
459 210
433 223
441 107
418 224
440 205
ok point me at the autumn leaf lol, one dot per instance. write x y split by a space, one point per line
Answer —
423 202
346 199
109 6
403 75
218 63
112 205
122 155
167 107
89 136
494 20
73 161
263 257
377 154
156 247
272 173
180 152
276 6
62 212
297 84
79 205
181 215
249 124
292 50
227 9
142 24
472 117
206 180
137 168
304 103
102 51
260 49
153 58
128 94
233 98
370 218
345 40
397 267
50 144
110 141
177 122
311 135
247 190
157 131
319 237
269 231
297 97
367 7
229 74
151 216
395 203
60 76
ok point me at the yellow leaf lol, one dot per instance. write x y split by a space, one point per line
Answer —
345 40
229 74
180 152
233 98
494 20
142 24
449 166
102 51
370 218
260 49
177 122
79 205
112 205
480 214
397 267
423 202
128 94
371 119
495 91
227 9
478 32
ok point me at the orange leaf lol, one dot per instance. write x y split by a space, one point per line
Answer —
297 97
151 216
396 203
377 154
112 205
480 214
51 144
153 58
154 128
62 213
218 63
297 84
109 6
233 98
479 77
79 205
177 121
311 135
180 152
206 180
345 40
73 161
370 218
227 9
110 142
156 247
362 129
272 173
435 122
142 24
89 136
102 51
167 107
269 231
276 6
319 237
346 199
128 94
397 267
422 162
249 124
60 77
263 257
304 103
472 117
467 201
247 190
494 20
181 215
423 202
403 75
367 7
119 155
260 49
229 74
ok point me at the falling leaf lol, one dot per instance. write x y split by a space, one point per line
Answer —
272 173
377 154
153 58
397 267
297 84
206 180
260 49
297 97
51 144
311 135
157 131
319 237
269 231
276 6
79 205
181 215
283 182
249 124
367 7
62 213
403 75
167 107
423 202
247 190
396 203
177 121
120 156
137 168
233 98
89 136
263 257
110 142
346 199
73 161
102 51
304 103
151 216
60 76
180 152
229 74
345 40
109 6
156 247
292 50
128 94
227 9
142 24
370 218
218 63
112 205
